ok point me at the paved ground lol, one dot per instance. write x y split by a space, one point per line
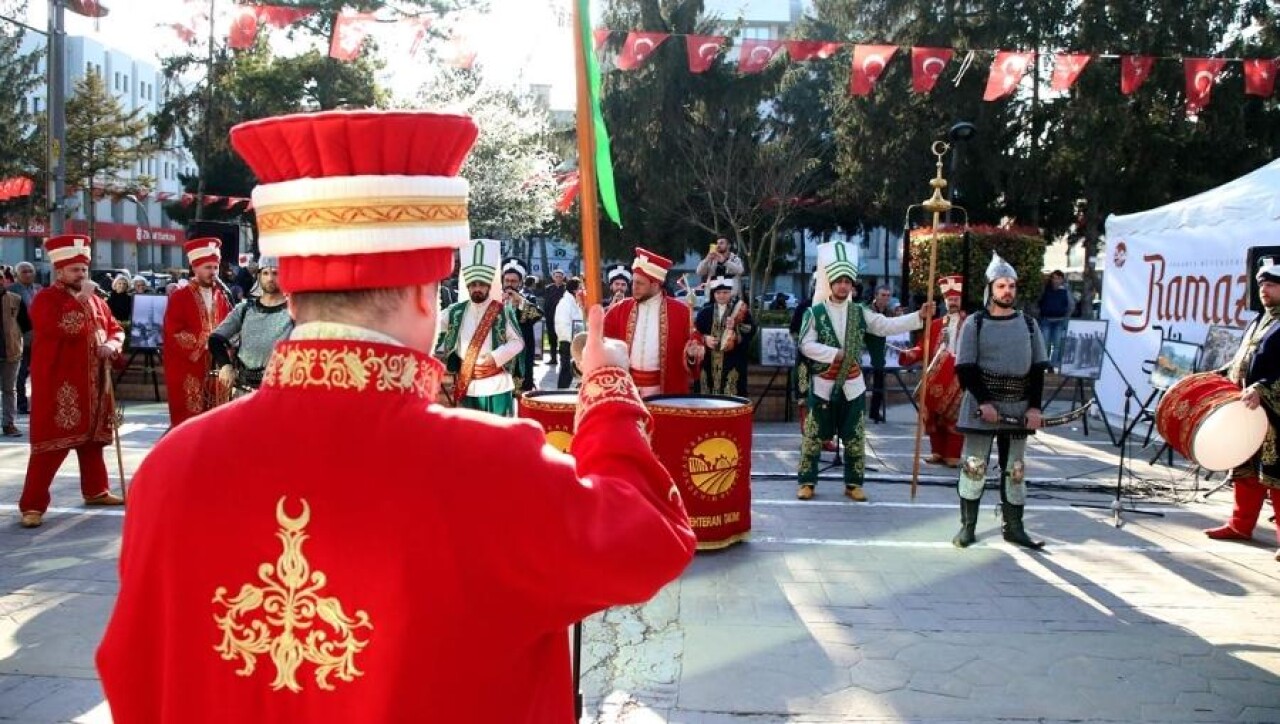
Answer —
834 612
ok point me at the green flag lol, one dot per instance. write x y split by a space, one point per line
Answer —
604 158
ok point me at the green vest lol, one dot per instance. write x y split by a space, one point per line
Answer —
876 346
854 329
497 338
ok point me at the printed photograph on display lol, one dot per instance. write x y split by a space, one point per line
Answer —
1176 360
893 348
1220 345
147 327
1082 348
777 348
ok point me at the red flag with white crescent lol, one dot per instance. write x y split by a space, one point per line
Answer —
703 51
1006 72
927 65
1201 74
638 47
869 62
88 8
244 27
755 54
1260 76
1134 71
805 50
349 33
570 184
281 17
1066 68
601 35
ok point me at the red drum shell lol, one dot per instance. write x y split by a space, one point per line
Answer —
943 395
705 443
555 411
1186 410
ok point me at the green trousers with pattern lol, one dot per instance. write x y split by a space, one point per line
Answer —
826 419
501 404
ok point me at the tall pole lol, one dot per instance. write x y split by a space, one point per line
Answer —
56 82
587 189
936 205
208 111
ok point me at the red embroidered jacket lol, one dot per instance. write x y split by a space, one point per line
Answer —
187 326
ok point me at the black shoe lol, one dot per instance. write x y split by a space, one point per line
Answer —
12 431
1013 530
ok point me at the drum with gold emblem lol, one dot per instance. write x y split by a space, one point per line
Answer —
1202 418
555 410
705 443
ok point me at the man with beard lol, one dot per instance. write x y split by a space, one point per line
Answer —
1001 362
1256 369
482 341
727 328
525 308
943 395
255 325
722 262
76 337
663 347
619 280
832 339
194 311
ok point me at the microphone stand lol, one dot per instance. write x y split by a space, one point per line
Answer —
1116 506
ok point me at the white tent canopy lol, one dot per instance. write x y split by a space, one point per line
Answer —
1178 270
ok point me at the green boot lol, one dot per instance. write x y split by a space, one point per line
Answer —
1013 530
968 521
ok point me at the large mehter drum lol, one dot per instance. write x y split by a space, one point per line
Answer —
705 443
1203 419
555 410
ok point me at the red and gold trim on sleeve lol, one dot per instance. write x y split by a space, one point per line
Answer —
352 366
610 385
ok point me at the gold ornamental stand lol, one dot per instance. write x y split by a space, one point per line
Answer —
938 206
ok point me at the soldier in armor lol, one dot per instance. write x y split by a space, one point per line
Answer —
255 325
1001 361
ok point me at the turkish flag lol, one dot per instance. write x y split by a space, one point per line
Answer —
803 50
1066 68
755 54
1260 76
601 35
926 65
244 27
569 187
702 50
1134 70
349 32
88 8
638 47
869 62
1006 72
1201 74
280 17
185 33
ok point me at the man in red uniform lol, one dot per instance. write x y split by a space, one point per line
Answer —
75 338
194 311
665 348
944 394
360 575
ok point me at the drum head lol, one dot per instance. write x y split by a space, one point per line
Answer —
1229 436
552 398
697 402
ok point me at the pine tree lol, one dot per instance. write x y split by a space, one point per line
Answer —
103 140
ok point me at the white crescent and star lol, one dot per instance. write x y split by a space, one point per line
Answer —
707 51
873 61
930 62
768 55
1207 78
638 50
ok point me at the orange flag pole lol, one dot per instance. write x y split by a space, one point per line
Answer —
587 188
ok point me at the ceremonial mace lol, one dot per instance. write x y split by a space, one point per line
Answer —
939 206
117 419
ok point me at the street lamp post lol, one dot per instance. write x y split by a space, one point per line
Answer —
146 219
56 82
962 131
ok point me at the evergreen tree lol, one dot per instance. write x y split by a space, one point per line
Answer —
104 142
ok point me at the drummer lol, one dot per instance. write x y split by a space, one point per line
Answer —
1256 369
942 411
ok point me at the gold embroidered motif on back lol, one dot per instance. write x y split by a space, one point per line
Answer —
287 619
68 414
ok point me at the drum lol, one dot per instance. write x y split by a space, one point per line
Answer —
705 443
555 410
1203 419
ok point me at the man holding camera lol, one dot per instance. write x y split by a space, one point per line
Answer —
722 262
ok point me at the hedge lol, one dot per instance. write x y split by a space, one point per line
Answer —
1020 246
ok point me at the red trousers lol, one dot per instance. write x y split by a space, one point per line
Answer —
43 466
1250 494
947 444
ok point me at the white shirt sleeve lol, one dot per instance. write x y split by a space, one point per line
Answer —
813 349
883 326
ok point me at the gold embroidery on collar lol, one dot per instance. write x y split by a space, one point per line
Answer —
350 368
293 623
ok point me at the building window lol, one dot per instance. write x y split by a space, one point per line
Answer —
116 82
35 105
